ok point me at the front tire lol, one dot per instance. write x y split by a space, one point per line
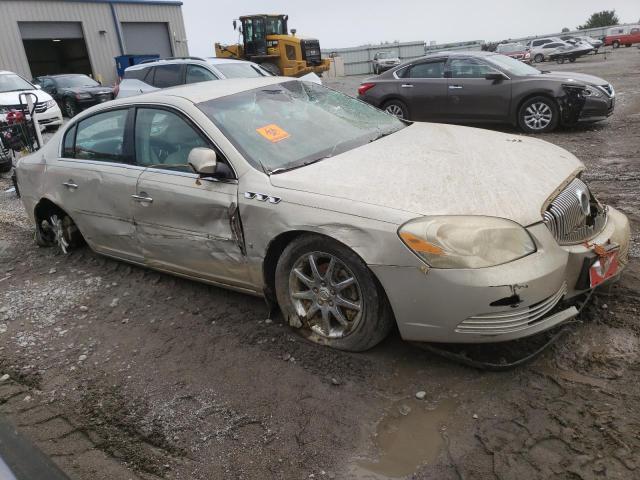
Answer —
327 291
397 109
58 230
539 58
70 108
538 115
616 44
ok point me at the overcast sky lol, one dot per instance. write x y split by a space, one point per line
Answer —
347 23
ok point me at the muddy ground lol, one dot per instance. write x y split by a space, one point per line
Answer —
122 373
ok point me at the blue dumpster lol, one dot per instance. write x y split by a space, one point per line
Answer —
125 61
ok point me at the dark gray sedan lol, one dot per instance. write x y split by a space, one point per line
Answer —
484 87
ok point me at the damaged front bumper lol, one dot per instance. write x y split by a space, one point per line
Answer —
500 303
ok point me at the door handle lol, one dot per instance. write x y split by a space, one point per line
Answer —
142 198
406 85
455 87
70 185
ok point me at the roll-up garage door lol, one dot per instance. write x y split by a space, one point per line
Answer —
147 38
55 47
50 30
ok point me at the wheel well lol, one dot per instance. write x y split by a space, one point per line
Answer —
45 208
274 251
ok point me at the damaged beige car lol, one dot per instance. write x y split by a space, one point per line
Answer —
349 218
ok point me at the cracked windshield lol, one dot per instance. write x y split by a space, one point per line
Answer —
293 124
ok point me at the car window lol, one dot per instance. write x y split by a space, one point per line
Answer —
68 143
101 137
167 76
432 69
635 30
468 68
163 139
47 83
196 74
242 70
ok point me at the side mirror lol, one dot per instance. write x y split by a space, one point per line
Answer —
495 76
203 161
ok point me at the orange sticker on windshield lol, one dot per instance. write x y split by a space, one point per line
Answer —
272 132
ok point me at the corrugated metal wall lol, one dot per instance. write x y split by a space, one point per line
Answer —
357 60
95 17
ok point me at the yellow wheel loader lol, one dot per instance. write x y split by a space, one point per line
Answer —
266 40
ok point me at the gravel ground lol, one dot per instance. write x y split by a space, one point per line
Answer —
120 372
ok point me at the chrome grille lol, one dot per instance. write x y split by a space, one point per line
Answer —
512 320
574 216
40 107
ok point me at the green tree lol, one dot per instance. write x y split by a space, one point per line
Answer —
601 19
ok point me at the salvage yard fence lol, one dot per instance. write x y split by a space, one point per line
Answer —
359 60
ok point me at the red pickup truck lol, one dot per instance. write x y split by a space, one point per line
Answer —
626 36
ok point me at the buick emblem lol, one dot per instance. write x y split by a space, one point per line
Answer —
583 199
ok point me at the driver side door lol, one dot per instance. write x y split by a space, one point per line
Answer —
471 97
183 222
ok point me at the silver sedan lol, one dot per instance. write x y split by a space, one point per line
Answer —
351 220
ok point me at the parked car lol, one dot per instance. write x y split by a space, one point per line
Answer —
383 61
453 234
594 43
13 85
626 35
560 52
164 73
514 50
74 92
538 42
484 87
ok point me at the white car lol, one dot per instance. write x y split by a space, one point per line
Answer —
171 72
13 85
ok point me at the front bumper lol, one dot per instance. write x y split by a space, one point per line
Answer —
83 104
597 108
454 306
50 117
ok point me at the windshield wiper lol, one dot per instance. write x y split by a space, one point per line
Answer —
303 164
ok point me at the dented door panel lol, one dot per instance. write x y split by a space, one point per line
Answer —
184 225
97 195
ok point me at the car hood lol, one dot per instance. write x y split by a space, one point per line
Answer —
99 90
434 169
13 98
571 77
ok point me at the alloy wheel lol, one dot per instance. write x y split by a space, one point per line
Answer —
326 294
57 232
395 110
538 116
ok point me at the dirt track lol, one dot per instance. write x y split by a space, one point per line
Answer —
119 372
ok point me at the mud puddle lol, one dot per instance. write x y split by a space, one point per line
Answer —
408 436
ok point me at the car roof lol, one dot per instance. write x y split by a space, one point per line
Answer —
197 60
204 91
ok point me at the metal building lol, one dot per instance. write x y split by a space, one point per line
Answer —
39 37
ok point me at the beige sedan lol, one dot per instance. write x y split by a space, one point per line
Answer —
348 218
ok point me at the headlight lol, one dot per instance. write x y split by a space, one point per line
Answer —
51 103
466 241
83 96
591 92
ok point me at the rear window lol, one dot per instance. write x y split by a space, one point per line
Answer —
241 70
167 76
138 74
